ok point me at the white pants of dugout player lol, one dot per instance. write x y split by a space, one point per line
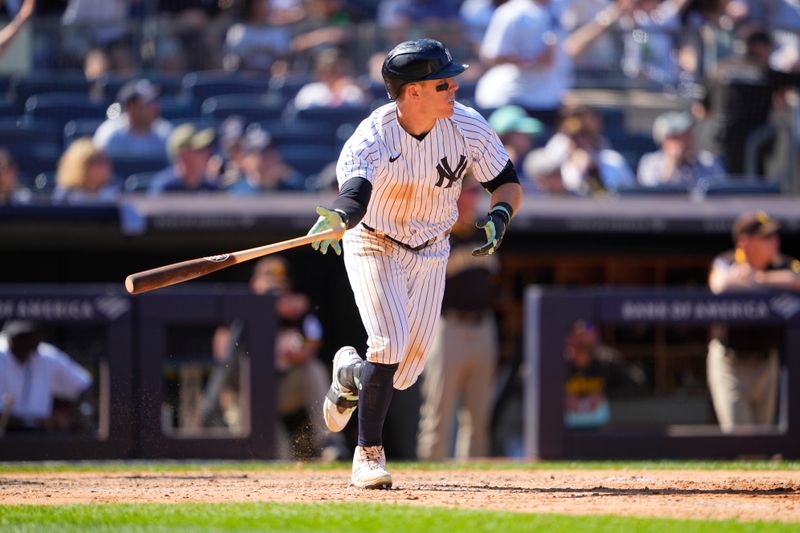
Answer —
743 390
399 297
460 368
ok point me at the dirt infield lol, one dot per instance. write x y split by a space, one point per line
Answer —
750 495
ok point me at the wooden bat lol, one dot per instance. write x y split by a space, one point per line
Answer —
194 268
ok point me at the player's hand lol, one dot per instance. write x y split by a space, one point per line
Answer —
494 224
327 219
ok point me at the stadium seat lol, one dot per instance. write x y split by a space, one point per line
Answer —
660 190
308 159
254 108
288 86
202 85
178 107
36 157
125 166
746 186
47 82
60 108
26 131
80 127
137 183
299 132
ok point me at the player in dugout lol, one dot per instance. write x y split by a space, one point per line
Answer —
400 176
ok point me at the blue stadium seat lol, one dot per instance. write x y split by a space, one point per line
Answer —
299 132
125 166
308 159
47 82
329 118
137 183
36 157
254 108
202 85
660 190
24 132
80 127
744 185
288 86
178 108
60 108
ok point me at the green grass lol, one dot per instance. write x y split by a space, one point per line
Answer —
349 517
188 466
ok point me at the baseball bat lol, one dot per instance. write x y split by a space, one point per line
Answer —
174 273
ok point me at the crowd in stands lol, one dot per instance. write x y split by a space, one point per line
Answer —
253 96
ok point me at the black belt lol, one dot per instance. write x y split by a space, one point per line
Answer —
401 243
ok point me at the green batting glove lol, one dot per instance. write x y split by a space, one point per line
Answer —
494 224
327 219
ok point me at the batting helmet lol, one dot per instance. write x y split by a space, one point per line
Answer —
423 59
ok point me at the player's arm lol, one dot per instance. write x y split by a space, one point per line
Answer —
348 209
506 197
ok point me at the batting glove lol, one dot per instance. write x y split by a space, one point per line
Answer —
327 219
494 224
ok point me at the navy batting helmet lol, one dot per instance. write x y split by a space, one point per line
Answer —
422 59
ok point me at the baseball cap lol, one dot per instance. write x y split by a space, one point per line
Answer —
14 328
754 223
514 118
256 139
141 89
670 124
188 137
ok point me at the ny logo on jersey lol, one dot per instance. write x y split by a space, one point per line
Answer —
451 175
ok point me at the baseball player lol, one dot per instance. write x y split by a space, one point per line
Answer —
399 178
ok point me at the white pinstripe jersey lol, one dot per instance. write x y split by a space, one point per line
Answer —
415 184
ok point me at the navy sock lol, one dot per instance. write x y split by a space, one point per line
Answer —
374 397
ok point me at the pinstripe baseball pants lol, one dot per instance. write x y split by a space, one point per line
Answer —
399 297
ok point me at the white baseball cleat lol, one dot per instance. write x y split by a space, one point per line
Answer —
369 468
340 402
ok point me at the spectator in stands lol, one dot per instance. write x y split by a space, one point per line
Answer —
10 30
743 363
98 24
649 44
398 18
139 130
334 85
328 23
198 26
595 373
262 168
11 191
225 165
302 378
742 91
190 151
677 162
783 18
530 55
257 43
459 373
543 172
475 15
600 57
588 164
517 131
84 175
34 373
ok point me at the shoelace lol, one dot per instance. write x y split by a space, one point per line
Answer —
373 456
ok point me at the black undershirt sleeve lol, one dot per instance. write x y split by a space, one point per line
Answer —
507 175
352 200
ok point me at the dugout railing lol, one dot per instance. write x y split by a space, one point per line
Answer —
131 345
548 316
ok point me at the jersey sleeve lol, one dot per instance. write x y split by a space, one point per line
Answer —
359 157
489 156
